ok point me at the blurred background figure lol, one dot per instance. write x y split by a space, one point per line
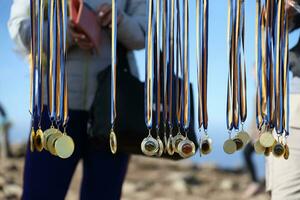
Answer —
4 135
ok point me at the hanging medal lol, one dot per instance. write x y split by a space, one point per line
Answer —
242 136
202 14
64 145
170 73
149 145
112 136
165 51
229 146
179 92
39 137
33 63
158 77
186 148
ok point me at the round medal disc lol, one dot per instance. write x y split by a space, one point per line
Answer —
286 154
32 136
266 139
259 149
46 134
149 146
160 146
176 140
229 146
39 140
51 142
64 146
206 146
278 150
186 148
113 142
268 151
170 148
244 136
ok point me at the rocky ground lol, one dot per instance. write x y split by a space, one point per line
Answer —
150 179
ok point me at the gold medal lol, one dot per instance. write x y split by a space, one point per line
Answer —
244 136
149 146
39 140
229 146
32 136
259 149
176 140
266 139
46 134
170 148
186 148
113 142
160 147
51 142
64 146
278 150
205 146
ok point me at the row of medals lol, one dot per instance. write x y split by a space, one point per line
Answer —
180 144
267 144
53 140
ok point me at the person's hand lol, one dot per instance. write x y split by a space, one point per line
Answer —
291 11
79 38
105 15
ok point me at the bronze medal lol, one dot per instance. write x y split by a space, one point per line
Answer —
286 154
205 146
186 148
278 150
239 143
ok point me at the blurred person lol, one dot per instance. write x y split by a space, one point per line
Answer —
46 176
283 176
4 130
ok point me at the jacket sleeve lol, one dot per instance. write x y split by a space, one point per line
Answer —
19 24
132 29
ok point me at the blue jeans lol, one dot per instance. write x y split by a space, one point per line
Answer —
47 177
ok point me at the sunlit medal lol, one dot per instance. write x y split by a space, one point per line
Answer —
64 146
244 136
46 134
51 139
229 146
32 136
113 142
39 140
170 148
266 139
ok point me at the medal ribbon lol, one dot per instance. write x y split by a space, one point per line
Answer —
114 62
149 67
52 31
205 13
186 89
178 68
165 35
286 91
157 51
171 62
33 59
229 116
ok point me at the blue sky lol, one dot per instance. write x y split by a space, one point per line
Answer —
14 74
